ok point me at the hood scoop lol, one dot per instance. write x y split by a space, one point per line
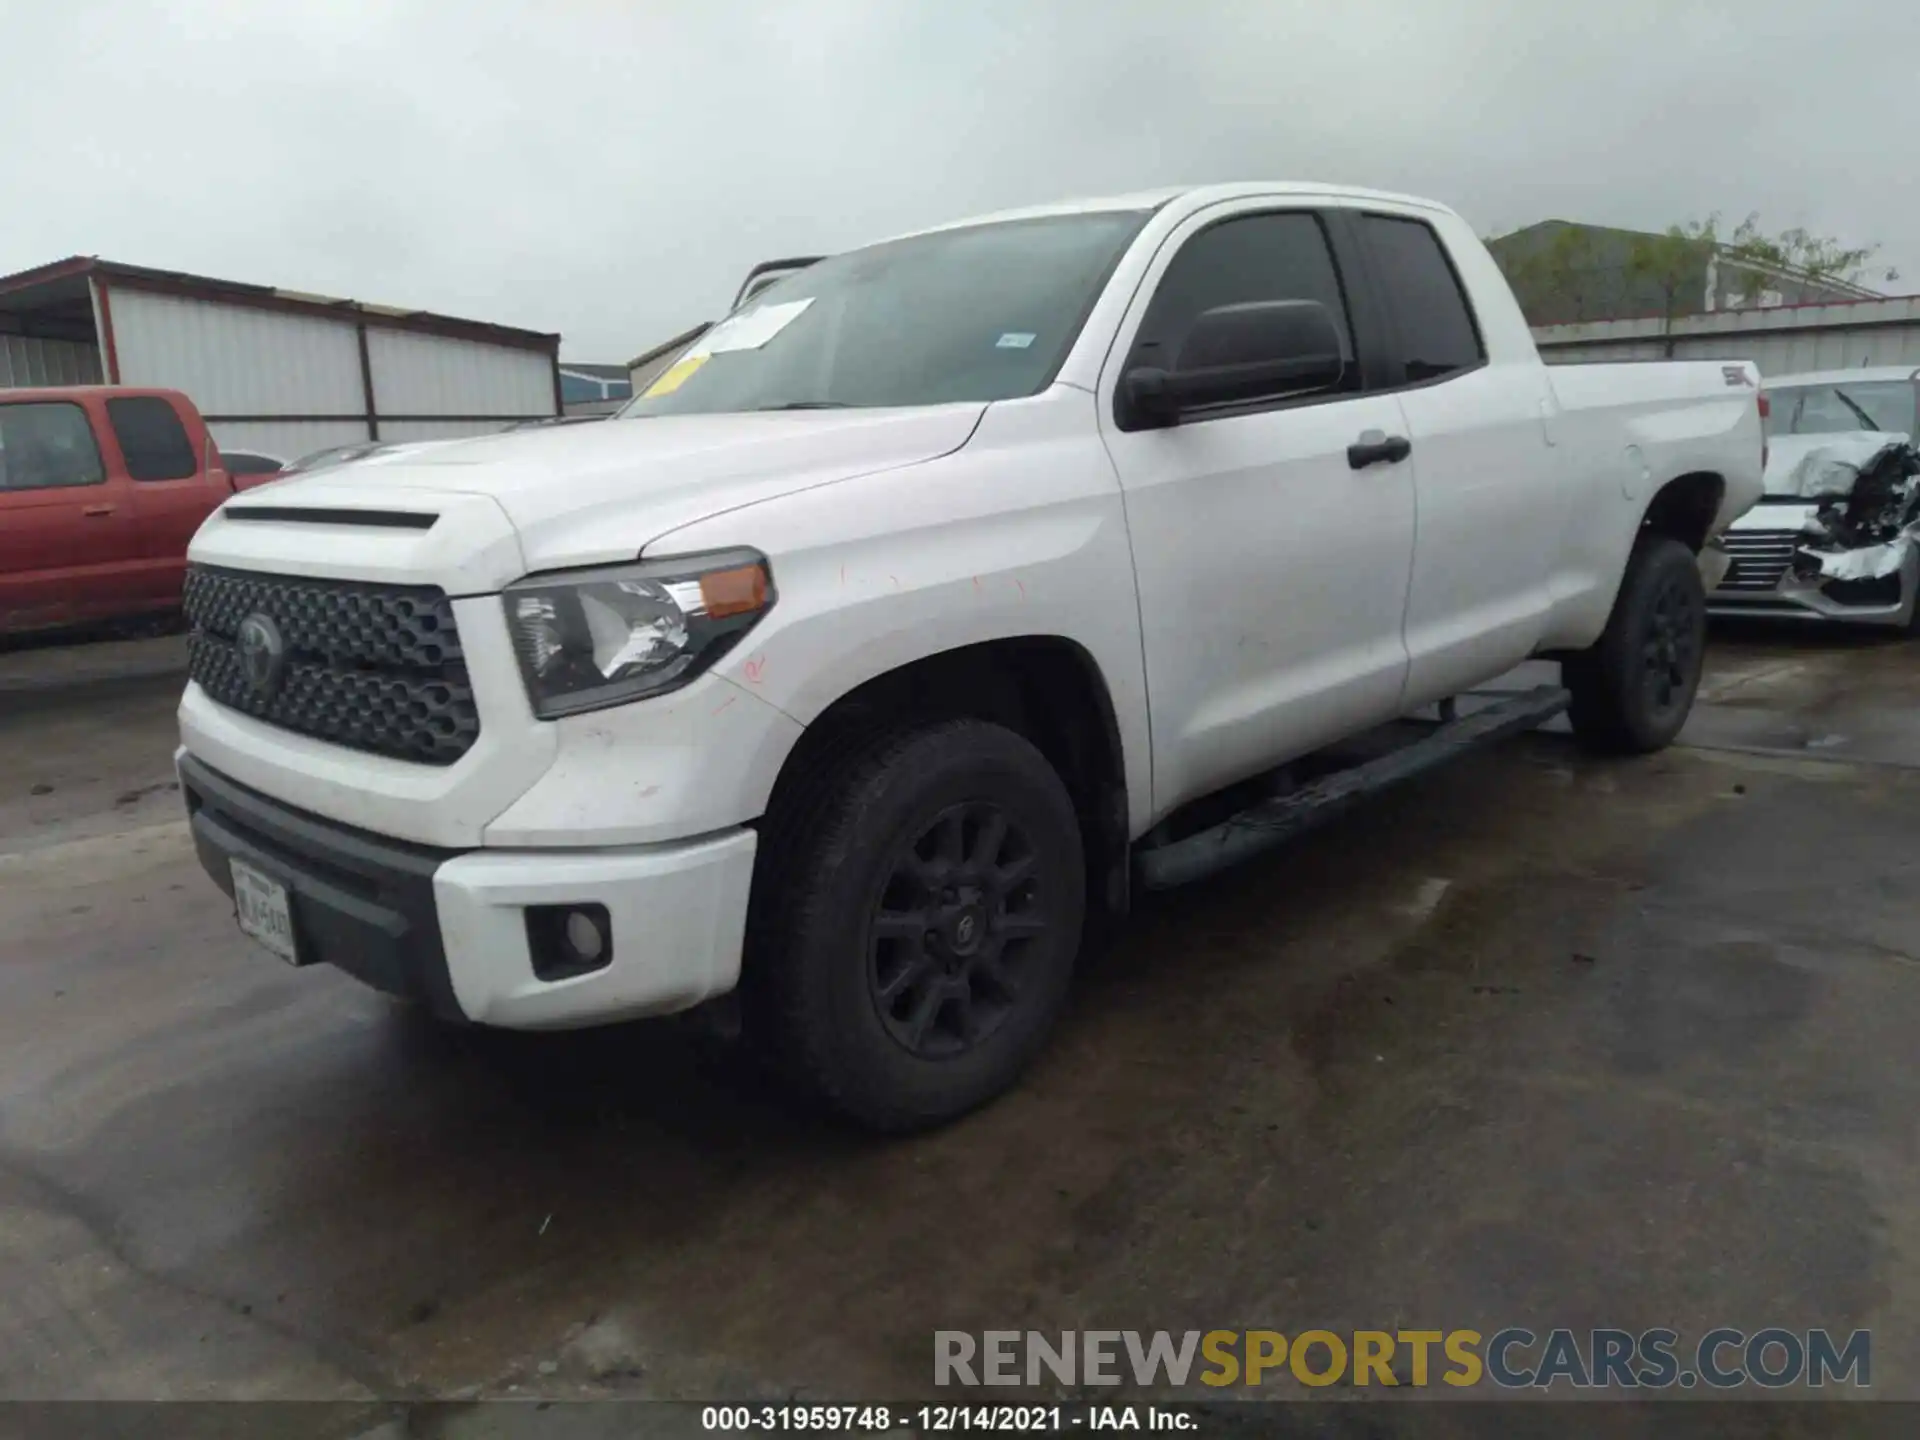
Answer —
332 515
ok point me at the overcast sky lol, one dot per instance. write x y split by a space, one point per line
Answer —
610 168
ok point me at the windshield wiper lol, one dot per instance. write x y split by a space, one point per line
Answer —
807 405
1867 421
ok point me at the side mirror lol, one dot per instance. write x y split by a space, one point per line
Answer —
1255 351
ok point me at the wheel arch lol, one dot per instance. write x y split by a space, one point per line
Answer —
1686 507
1047 688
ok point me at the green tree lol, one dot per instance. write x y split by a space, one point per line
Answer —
1674 266
1799 252
1560 282
1573 263
1585 274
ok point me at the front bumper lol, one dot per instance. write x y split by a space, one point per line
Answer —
449 927
1819 603
1760 583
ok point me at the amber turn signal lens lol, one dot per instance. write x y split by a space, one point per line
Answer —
739 591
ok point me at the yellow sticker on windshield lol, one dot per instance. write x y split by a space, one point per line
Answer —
674 376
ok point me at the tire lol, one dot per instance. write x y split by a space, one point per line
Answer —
918 911
1634 687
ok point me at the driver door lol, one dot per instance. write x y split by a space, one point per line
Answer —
1272 572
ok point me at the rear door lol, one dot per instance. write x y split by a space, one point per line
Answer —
69 545
1491 501
1272 569
174 485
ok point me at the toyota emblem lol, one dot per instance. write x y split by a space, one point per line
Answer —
263 654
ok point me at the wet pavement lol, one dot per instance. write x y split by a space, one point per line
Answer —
1539 1040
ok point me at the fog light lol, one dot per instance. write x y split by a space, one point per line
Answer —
584 937
569 940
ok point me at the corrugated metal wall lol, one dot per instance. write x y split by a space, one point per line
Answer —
1784 354
1783 341
439 429
288 441
237 360
26 360
429 375
273 368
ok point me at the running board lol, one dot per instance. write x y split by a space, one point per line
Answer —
1271 822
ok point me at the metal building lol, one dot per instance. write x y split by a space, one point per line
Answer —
1781 340
593 389
273 370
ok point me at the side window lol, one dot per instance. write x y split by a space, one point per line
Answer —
1437 333
241 462
47 446
1252 257
152 438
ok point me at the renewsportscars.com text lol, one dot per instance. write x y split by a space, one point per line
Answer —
1511 1359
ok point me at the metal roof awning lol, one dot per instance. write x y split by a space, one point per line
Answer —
56 302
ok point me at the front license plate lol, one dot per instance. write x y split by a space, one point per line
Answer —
261 904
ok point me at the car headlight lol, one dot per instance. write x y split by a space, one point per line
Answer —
592 638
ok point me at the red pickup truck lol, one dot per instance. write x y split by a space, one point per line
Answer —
101 488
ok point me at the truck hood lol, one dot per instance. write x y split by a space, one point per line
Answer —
590 494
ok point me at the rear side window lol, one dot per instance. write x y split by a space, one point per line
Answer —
47 446
1252 257
1437 333
152 438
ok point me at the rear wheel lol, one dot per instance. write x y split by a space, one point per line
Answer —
1633 689
922 911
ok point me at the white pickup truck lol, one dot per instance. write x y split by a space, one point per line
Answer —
863 663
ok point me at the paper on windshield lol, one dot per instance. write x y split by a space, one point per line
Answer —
747 331
753 329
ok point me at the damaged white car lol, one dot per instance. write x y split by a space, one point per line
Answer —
1837 534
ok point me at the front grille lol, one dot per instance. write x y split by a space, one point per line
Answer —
372 667
1760 558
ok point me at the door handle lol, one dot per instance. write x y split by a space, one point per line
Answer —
1373 447
96 512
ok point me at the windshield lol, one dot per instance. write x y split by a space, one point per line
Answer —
987 312
1841 408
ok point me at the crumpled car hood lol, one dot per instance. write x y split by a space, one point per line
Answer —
1863 493
1815 466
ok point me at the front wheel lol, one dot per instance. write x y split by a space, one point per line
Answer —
918 931
1634 687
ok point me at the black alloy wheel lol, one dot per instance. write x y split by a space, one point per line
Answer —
954 920
1633 688
1671 652
918 904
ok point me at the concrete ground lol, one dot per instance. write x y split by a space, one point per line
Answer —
1539 1040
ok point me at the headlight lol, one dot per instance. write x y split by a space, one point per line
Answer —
592 638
